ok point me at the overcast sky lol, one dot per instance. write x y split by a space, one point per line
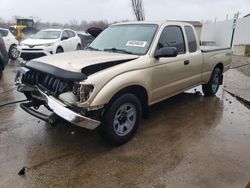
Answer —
115 10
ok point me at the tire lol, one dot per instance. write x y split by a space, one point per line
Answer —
78 47
13 52
59 50
121 119
1 74
211 88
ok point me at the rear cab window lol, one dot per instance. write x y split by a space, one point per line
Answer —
172 36
192 45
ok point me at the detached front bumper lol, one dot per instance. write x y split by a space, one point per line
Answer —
62 111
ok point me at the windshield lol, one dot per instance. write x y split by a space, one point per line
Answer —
3 32
133 39
47 34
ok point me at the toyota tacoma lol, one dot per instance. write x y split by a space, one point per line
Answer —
127 68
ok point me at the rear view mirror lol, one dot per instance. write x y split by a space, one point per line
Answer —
166 52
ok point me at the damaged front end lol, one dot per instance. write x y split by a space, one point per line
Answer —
56 89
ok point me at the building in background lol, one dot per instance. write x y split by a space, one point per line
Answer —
220 34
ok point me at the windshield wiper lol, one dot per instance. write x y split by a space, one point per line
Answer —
117 50
91 48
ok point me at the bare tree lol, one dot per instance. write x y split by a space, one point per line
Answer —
138 9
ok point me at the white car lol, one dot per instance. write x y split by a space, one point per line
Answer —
48 42
10 42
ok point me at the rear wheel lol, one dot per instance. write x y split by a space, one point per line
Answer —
121 119
211 88
13 52
59 50
1 74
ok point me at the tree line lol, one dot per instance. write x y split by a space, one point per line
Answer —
136 5
72 24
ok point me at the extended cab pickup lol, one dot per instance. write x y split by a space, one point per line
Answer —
127 68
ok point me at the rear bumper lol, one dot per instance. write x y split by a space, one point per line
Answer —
62 111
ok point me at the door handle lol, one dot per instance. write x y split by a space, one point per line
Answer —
186 62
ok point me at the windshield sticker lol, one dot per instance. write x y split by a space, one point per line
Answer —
134 43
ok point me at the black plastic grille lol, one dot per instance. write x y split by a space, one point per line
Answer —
29 56
46 82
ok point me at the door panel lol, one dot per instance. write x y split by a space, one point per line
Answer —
195 57
72 41
170 75
65 43
175 74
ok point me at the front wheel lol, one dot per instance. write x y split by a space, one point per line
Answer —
211 88
13 52
121 119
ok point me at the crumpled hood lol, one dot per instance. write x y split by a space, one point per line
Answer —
77 60
31 41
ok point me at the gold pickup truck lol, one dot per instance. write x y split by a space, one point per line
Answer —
127 68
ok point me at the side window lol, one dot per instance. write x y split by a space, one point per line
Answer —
71 34
192 45
172 36
65 34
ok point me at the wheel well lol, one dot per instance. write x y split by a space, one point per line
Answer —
11 46
138 91
60 47
79 45
220 66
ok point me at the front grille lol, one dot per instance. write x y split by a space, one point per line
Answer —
31 49
29 56
46 82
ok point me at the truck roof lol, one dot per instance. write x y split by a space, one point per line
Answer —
181 23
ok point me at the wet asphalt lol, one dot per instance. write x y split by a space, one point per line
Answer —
187 141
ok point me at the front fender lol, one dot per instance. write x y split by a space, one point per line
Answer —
118 83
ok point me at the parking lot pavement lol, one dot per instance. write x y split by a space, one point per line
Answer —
238 84
241 63
237 79
187 141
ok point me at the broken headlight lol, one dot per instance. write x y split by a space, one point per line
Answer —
83 92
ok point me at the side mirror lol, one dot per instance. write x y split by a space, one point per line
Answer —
64 38
166 52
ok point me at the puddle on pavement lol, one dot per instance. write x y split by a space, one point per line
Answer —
184 135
